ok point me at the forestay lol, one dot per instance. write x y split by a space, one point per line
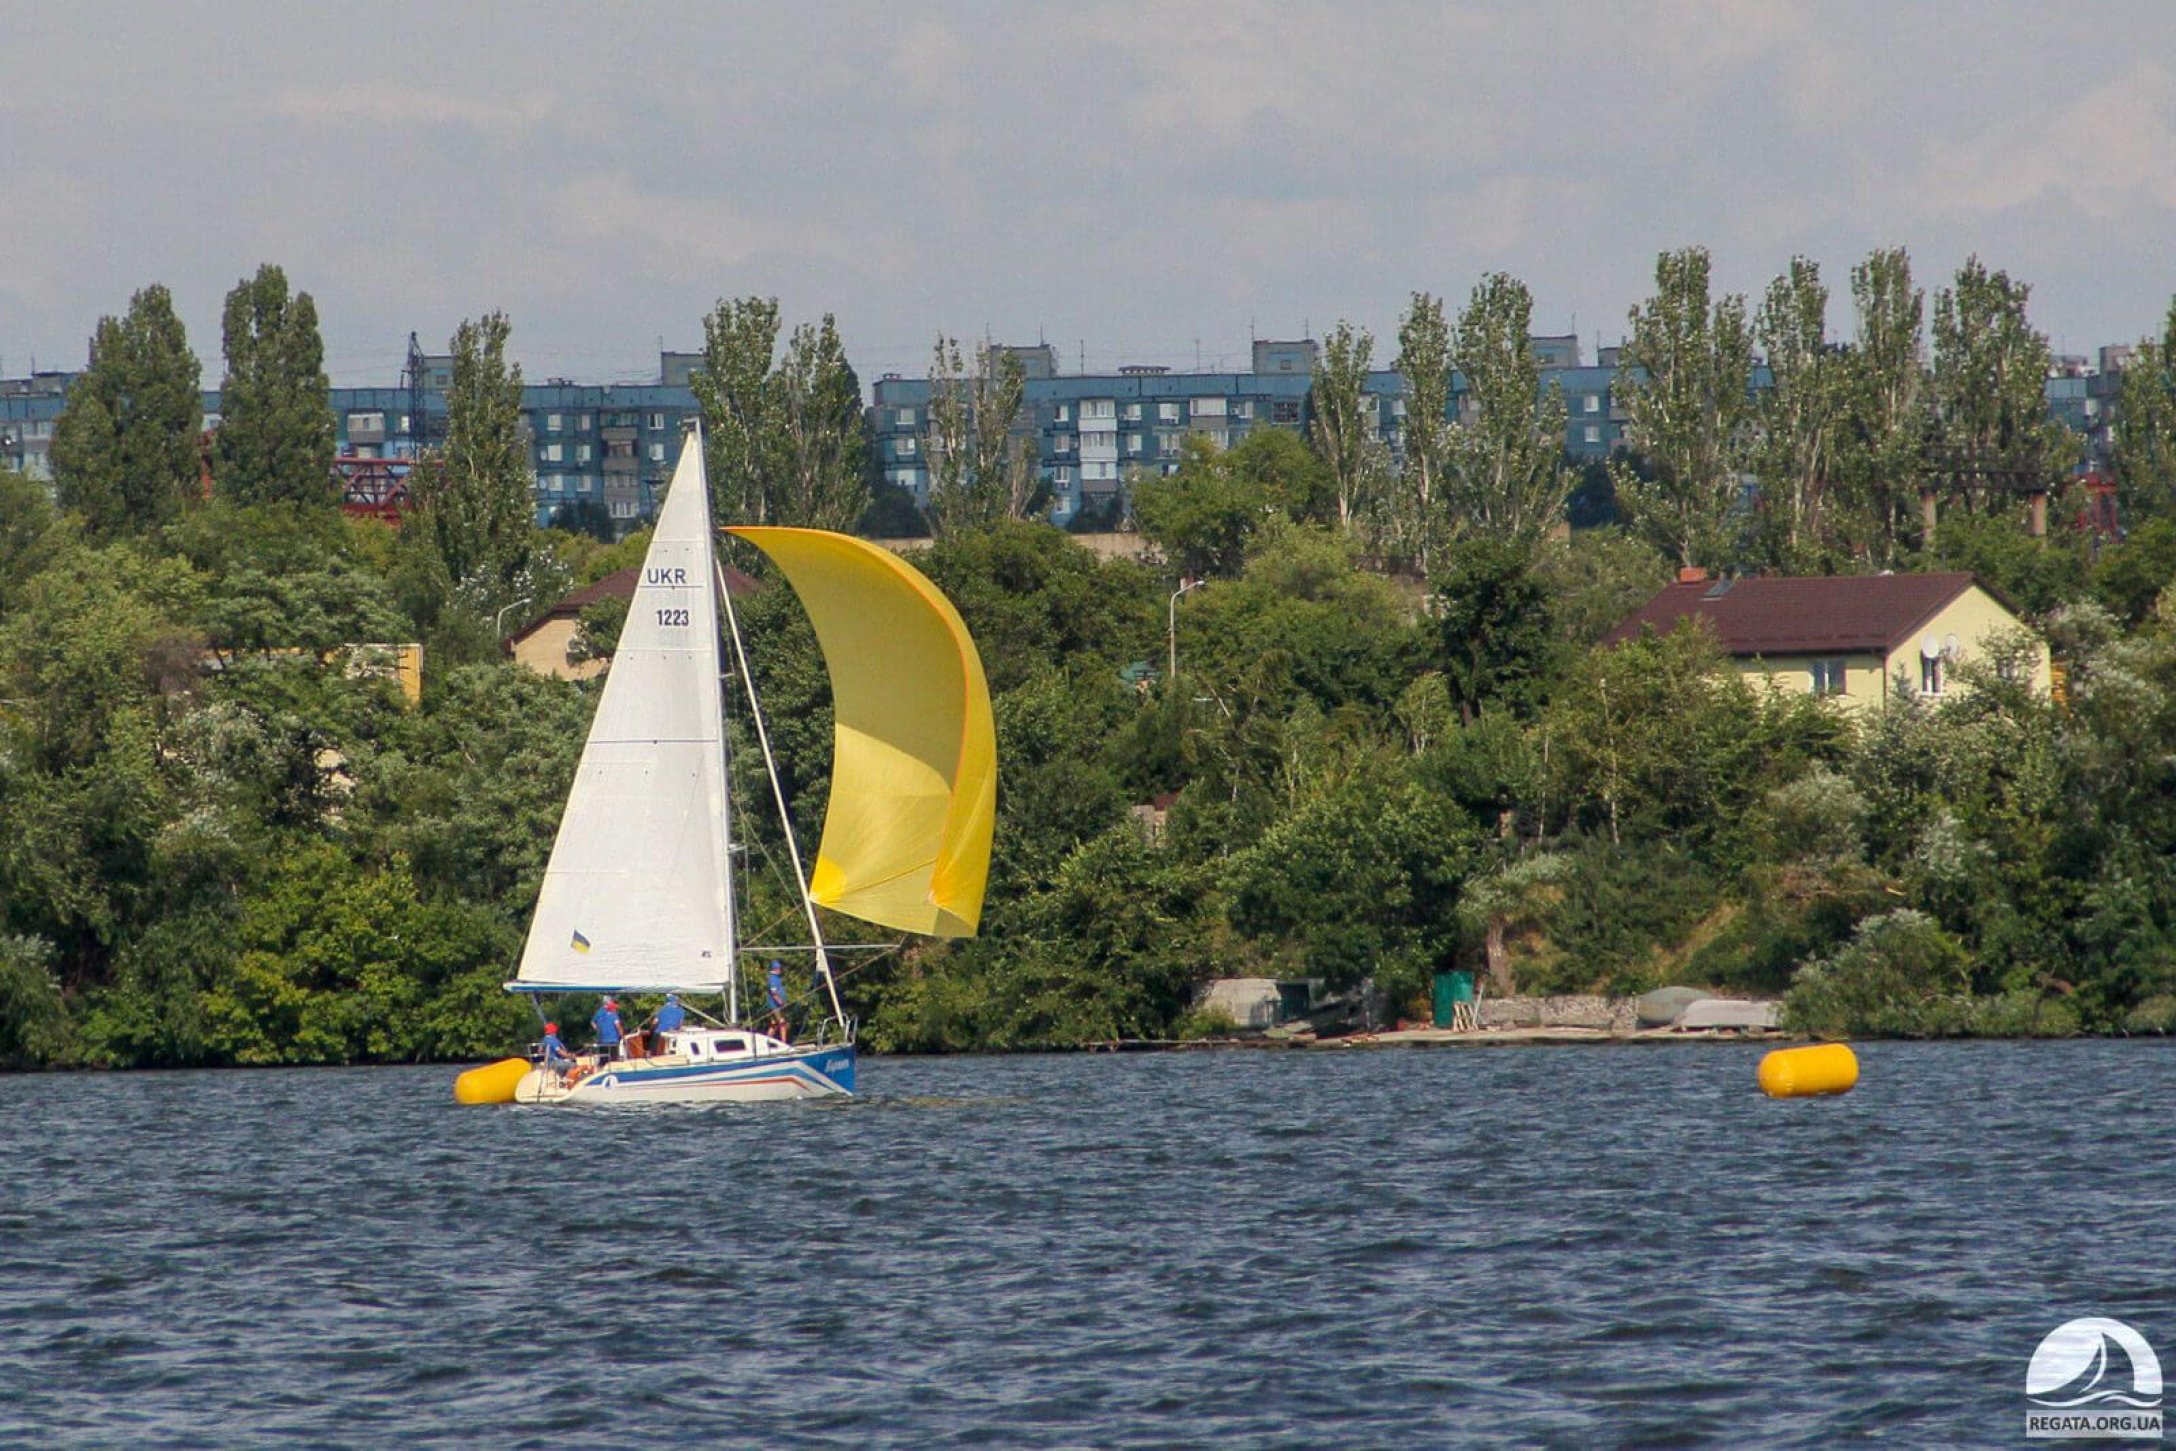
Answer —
637 894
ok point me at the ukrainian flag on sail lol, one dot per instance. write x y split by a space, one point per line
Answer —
580 943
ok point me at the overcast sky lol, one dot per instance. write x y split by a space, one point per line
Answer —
1150 183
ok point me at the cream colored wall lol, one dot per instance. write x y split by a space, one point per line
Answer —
1863 682
1975 619
544 650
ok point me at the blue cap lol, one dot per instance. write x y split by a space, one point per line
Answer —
775 966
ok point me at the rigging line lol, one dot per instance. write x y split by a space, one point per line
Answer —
778 790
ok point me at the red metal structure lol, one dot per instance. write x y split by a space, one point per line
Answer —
373 488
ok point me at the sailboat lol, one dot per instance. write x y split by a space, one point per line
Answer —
640 895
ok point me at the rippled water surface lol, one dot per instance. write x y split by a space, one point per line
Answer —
1573 1245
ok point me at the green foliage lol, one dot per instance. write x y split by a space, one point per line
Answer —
1596 579
275 438
1507 477
783 433
1686 391
981 471
1988 387
1343 428
1492 611
125 448
1800 418
472 499
2145 426
1208 514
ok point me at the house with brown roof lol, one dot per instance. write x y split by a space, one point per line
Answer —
543 644
1856 639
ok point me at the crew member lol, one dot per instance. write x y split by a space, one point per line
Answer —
607 1024
553 1052
672 1015
775 983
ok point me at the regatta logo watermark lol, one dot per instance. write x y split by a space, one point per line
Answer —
2094 1377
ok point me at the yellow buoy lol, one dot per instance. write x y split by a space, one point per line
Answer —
492 1083
1809 1072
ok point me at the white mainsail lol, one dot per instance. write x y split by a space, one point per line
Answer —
637 894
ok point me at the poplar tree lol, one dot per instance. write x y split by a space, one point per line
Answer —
1424 361
1686 389
1991 424
275 439
2145 426
1341 424
127 448
782 431
475 497
1884 388
1507 480
1799 415
979 472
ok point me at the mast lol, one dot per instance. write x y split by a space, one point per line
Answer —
778 794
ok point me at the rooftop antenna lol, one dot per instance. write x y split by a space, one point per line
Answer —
1084 355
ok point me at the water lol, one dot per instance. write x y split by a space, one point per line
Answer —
1575 1246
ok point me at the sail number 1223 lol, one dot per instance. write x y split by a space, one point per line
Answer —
672 617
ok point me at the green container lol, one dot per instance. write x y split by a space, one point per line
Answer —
1452 988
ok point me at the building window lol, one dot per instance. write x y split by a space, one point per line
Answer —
903 417
1135 442
657 453
1243 408
1285 410
906 447
1930 674
1830 678
1064 413
1061 443
554 453
588 422
552 422
1132 413
657 422
1167 413
1591 403
1062 476
1592 433
581 453
1104 408
1167 444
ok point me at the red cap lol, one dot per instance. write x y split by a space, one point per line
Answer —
551 1027
610 1003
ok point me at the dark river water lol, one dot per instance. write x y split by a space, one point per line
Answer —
1571 1246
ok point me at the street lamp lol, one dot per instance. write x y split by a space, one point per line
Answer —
498 623
1173 631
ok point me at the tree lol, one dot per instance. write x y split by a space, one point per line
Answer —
473 498
1884 388
1496 639
2145 426
819 407
1799 416
1989 388
1207 514
126 448
275 438
1507 476
1424 360
1685 385
979 472
1342 426
782 434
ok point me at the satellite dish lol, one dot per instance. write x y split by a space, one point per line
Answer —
1930 648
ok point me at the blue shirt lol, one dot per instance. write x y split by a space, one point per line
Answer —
670 1017
554 1050
607 1024
778 988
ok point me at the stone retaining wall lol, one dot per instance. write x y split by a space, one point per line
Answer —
1582 1010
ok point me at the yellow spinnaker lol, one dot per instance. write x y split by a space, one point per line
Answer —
914 754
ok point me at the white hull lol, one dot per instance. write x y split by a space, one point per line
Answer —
769 1075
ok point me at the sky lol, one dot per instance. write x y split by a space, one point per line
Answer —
1132 183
